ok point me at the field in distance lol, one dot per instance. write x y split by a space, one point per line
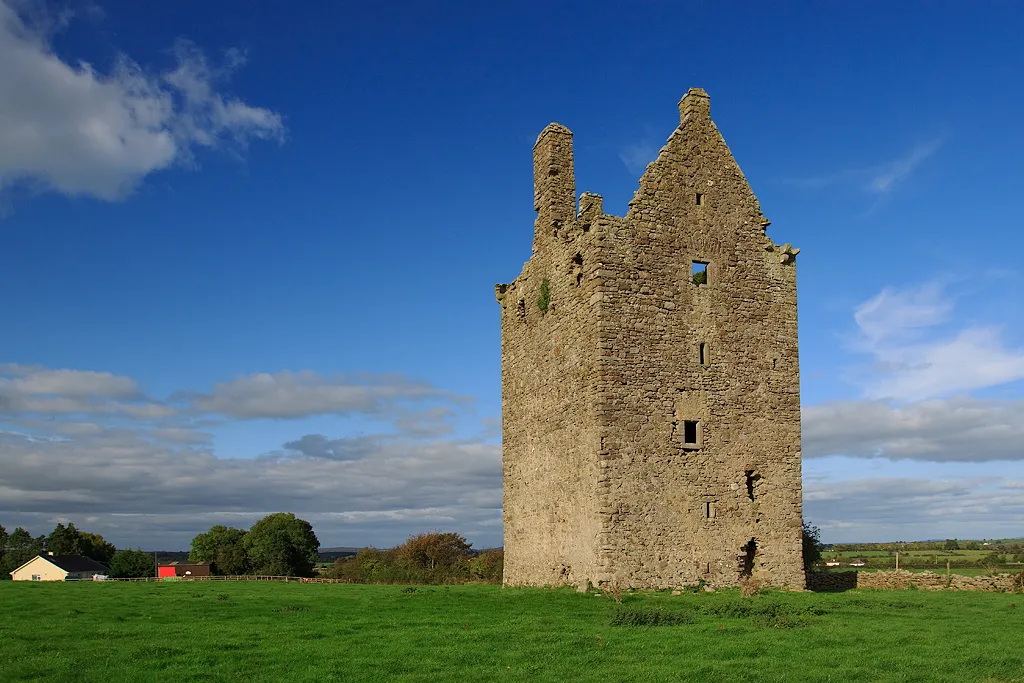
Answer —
306 632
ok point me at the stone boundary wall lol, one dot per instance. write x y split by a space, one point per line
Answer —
903 580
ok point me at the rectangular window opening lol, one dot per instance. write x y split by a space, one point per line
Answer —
700 199
699 272
709 510
690 432
703 353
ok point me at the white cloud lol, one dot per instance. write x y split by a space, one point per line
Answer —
914 362
35 380
36 390
299 394
76 130
636 156
891 174
880 179
954 430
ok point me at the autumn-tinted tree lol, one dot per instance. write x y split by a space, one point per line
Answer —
281 544
436 549
223 546
132 564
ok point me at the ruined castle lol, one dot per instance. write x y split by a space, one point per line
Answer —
650 384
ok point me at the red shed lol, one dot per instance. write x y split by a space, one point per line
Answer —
184 569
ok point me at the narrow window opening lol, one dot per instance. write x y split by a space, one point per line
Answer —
703 353
521 309
699 272
577 261
700 199
752 478
709 510
774 361
747 559
690 432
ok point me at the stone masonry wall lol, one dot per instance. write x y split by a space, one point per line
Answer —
605 480
549 430
685 512
902 580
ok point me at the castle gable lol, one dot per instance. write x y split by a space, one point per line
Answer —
695 190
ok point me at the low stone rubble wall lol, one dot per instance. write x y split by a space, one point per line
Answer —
902 580
831 581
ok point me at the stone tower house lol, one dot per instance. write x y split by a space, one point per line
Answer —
650 384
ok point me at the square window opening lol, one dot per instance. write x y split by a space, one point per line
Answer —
699 272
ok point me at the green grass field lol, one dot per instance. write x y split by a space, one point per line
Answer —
304 632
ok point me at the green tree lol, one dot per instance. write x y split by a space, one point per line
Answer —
223 546
231 560
812 546
132 564
3 541
69 540
63 540
951 544
972 545
96 547
281 544
21 548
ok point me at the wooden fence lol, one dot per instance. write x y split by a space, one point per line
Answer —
242 577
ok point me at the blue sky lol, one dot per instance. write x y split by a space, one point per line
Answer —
249 255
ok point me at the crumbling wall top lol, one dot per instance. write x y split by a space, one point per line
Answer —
695 103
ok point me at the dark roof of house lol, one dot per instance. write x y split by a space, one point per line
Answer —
75 563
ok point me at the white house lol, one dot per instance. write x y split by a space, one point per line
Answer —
58 568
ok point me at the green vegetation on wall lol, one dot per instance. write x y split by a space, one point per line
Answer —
544 300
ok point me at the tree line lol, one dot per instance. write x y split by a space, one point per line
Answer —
19 546
280 544
427 558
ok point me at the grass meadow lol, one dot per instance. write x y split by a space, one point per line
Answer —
227 631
